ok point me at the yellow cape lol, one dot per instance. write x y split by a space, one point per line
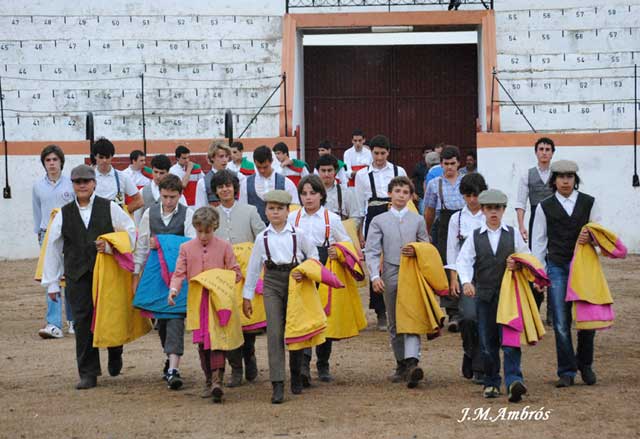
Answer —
345 316
43 249
306 321
517 308
259 317
587 287
417 308
223 300
115 320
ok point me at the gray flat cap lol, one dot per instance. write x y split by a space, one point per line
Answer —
83 172
492 196
564 167
277 196
432 158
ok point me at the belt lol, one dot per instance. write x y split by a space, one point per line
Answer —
270 265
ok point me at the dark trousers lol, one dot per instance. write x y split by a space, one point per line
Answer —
81 301
323 352
469 332
568 361
245 352
490 340
376 301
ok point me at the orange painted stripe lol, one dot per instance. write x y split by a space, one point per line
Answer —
515 140
153 146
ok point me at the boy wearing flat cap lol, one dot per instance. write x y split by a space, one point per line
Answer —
556 229
71 252
279 249
482 261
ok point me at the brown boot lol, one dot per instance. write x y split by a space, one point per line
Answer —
216 386
206 390
414 373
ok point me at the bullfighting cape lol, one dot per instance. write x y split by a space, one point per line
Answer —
419 280
517 310
224 326
306 321
43 249
115 320
153 288
587 287
345 316
258 319
352 230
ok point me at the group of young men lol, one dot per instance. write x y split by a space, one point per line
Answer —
252 202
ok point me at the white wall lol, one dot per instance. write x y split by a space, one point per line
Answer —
605 173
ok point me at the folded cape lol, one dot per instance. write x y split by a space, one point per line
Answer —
306 321
43 249
343 307
352 231
419 279
587 287
517 310
115 320
258 319
153 289
223 310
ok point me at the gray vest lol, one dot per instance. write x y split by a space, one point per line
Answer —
147 196
255 200
489 268
538 190
176 225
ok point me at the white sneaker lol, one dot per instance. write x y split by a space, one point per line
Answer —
50 331
70 329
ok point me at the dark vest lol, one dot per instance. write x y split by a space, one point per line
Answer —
562 229
211 197
489 268
176 225
255 200
79 246
538 190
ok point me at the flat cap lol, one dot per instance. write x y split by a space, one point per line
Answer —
492 196
277 196
564 167
83 172
432 158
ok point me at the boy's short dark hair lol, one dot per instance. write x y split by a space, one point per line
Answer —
316 184
555 175
135 155
357 132
161 161
180 150
380 141
52 149
546 140
327 160
171 182
262 154
325 144
281 147
450 152
104 147
472 184
238 145
472 154
401 181
223 177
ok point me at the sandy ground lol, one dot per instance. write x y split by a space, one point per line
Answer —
38 398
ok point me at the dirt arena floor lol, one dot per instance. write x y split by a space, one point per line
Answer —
38 399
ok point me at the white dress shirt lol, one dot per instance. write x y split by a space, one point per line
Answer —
315 226
281 249
353 158
350 206
144 233
138 178
539 238
264 185
467 257
381 178
523 187
399 213
53 268
231 166
106 186
468 223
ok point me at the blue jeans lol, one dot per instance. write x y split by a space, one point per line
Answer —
54 309
568 361
489 333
